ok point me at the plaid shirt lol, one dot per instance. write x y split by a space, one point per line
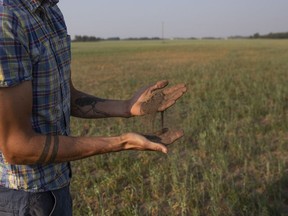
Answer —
34 46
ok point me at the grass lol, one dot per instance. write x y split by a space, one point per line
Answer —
233 158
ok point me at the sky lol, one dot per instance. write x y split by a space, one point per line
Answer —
174 18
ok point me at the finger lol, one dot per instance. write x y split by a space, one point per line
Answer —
166 105
177 134
165 136
170 100
171 136
174 96
157 147
180 87
159 85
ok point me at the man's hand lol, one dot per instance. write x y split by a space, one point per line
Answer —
155 98
153 142
165 136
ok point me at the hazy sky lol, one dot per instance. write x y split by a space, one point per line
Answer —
180 18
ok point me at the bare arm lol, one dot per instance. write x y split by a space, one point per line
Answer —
149 99
21 145
87 106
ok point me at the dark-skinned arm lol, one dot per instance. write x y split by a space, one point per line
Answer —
20 144
87 106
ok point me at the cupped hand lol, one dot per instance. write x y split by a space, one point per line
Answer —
157 141
155 98
165 136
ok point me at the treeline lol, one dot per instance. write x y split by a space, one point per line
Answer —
85 38
142 38
280 35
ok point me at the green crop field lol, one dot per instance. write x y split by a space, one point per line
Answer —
233 159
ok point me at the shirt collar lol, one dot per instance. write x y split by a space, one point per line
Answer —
33 5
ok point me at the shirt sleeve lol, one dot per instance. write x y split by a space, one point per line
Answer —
15 62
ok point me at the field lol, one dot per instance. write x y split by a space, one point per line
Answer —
233 159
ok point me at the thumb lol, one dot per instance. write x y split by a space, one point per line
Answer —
159 85
158 147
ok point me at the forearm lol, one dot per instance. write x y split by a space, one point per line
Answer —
46 149
87 106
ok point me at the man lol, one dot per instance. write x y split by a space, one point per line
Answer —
37 98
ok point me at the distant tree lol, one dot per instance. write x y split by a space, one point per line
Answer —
85 38
113 38
256 35
280 35
78 38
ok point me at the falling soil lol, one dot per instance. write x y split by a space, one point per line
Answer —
151 107
162 119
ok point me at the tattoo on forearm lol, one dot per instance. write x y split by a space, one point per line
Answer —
45 152
45 158
54 151
91 103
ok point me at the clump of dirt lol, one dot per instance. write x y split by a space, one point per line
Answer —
151 108
152 105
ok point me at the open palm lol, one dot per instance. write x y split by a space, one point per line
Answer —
155 98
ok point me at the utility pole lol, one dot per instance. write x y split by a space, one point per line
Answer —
163 32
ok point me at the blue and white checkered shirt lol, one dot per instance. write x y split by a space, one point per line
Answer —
34 46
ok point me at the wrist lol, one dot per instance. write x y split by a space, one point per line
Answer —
125 141
127 109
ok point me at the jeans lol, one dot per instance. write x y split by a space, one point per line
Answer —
21 203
